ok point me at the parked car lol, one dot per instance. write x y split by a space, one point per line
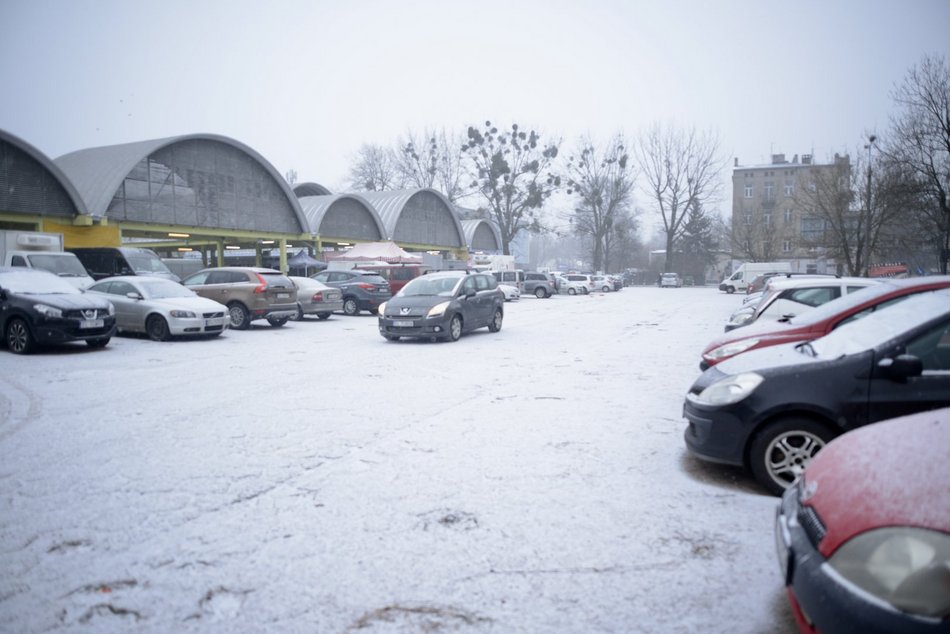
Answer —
39 308
160 308
316 298
442 306
362 290
670 280
819 321
540 285
602 283
512 277
249 292
771 410
585 280
511 292
571 287
102 262
759 282
617 281
863 538
786 298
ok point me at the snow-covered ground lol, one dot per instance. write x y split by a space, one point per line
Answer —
316 478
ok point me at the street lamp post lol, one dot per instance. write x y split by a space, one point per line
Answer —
871 139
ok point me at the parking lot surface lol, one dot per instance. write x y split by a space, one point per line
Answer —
317 478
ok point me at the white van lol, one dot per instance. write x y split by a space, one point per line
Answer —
747 271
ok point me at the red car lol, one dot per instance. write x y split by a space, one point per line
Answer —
818 321
863 537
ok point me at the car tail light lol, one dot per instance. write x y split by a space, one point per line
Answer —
262 287
317 297
367 287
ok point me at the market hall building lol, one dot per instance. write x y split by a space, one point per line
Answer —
210 194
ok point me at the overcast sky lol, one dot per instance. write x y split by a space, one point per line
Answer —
306 83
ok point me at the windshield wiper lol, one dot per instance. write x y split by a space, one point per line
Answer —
806 348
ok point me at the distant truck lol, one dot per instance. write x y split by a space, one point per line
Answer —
747 271
40 250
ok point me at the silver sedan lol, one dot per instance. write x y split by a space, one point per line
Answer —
161 308
316 298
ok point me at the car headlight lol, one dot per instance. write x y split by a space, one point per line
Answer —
182 314
741 319
906 567
382 309
731 389
48 311
111 309
730 349
438 310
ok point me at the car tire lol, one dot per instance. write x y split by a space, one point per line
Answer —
571 291
606 289
95 344
781 451
240 318
455 328
157 328
277 322
540 293
350 307
299 315
323 316
730 290
496 321
18 337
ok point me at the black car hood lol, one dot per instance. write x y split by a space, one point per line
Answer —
770 360
66 301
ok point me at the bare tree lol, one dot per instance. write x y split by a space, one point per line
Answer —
291 177
432 159
920 139
511 172
680 170
857 208
374 169
756 241
603 180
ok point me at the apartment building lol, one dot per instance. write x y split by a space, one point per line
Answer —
769 220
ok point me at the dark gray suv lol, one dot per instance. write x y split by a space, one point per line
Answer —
362 290
539 284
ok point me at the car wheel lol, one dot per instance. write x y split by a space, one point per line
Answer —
496 320
730 290
455 328
350 307
19 338
571 291
240 318
98 343
278 322
539 293
323 316
299 315
606 289
156 328
780 452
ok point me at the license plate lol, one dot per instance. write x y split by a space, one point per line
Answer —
91 323
402 323
214 322
283 295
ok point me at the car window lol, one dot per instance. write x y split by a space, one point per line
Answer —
933 347
197 279
468 286
374 278
813 296
121 288
481 282
871 309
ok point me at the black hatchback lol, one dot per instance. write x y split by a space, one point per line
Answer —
362 290
39 308
773 409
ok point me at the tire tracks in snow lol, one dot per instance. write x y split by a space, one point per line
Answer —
18 406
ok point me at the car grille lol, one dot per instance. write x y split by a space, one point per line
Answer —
812 524
87 313
213 315
412 312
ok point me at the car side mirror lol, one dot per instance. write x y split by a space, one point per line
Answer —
133 295
902 367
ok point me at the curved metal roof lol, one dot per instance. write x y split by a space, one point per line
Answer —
51 167
98 172
390 206
470 227
315 209
310 189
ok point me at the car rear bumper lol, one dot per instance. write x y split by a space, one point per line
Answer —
322 307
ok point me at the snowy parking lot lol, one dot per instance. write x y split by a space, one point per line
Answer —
316 478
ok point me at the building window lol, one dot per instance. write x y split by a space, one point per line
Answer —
769 190
787 246
789 188
813 229
788 216
748 191
767 220
748 218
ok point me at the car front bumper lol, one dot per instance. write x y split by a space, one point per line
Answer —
715 434
821 600
203 325
414 326
52 331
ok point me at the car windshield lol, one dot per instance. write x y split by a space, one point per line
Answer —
164 289
36 283
881 326
146 263
842 304
59 263
430 286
